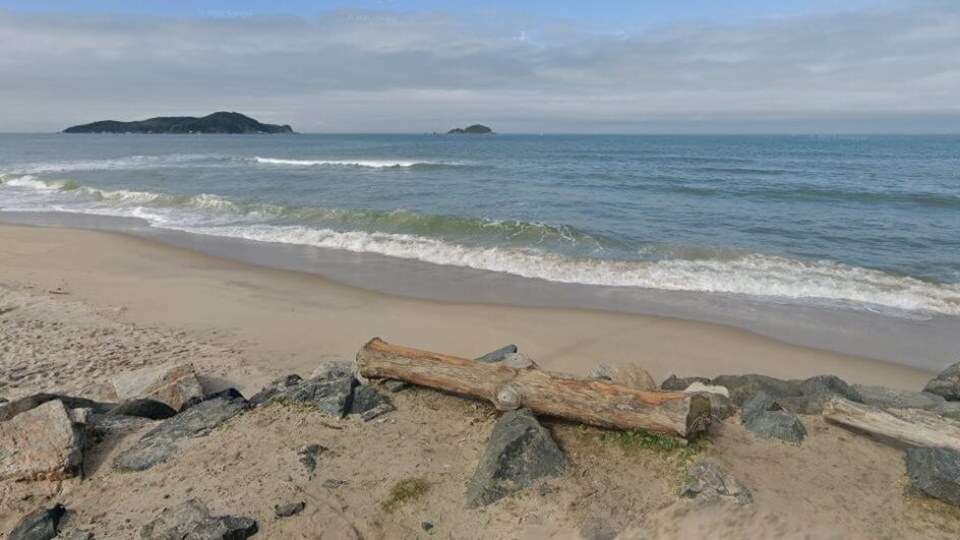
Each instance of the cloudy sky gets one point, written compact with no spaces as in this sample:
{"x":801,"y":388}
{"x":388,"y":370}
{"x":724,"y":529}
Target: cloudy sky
{"x":536,"y":66}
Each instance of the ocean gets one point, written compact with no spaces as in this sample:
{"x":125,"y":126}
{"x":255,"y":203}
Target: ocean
{"x":845,"y":242}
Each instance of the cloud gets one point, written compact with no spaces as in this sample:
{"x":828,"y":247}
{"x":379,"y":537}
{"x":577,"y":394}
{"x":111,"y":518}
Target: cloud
{"x":384,"y":71}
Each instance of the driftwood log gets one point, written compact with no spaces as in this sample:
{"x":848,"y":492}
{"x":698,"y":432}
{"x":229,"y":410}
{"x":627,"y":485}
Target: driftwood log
{"x":589,"y":401}
{"x":912,"y":427}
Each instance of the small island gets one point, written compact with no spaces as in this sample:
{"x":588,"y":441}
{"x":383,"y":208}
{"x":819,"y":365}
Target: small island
{"x":218,"y":122}
{"x":476,"y":129}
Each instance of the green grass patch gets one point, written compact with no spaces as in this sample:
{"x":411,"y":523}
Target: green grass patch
{"x":404,"y":491}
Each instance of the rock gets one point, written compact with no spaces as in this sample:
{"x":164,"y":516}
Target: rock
{"x":519,"y":452}
{"x":107,"y":425}
{"x":936,"y":472}
{"x":143,"y":408}
{"x":744,"y":387}
{"x":76,"y":534}
{"x":426,"y":525}
{"x":498,"y":355}
{"x":765,"y":417}
{"x":816,"y":391}
{"x":331,"y":396}
{"x":946,"y":384}
{"x":681,"y":383}
{"x":11,"y":409}
{"x":176,"y":385}
{"x":368,"y":403}
{"x":218,"y":122}
{"x":41,"y":444}
{"x":163,"y":441}
{"x":707,"y":481}
{"x":890,"y":398}
{"x":42,"y":524}
{"x":395,"y":386}
{"x":193,"y":521}
{"x":290,"y":509}
{"x":276,"y":387}
{"x":308,"y":455}
{"x":697,"y":386}
{"x":948,"y":409}
{"x":475,"y":129}
{"x":333,"y":369}
{"x":518,"y":361}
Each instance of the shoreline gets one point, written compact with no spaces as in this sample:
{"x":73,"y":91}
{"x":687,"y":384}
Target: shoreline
{"x":288,"y":320}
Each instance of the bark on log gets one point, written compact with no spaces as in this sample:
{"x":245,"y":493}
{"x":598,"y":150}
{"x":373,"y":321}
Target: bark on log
{"x":913,"y":427}
{"x":589,"y":401}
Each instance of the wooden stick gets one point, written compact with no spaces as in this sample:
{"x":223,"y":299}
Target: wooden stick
{"x":913,"y":427}
{"x":589,"y":401}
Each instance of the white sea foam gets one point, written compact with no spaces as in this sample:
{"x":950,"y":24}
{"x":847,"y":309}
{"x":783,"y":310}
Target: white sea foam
{"x":777,"y":278}
{"x":121,"y":163}
{"x":372,"y":163}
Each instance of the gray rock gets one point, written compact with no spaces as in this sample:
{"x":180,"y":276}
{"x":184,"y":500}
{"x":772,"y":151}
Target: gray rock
{"x":891,"y":398}
{"x":800,"y":396}
{"x":289,"y":509}
{"x":143,"y":408}
{"x":175,"y":384}
{"x":744,"y":387}
{"x":518,"y":361}
{"x":160,"y":443}
{"x":42,"y":524}
{"x":11,"y":409}
{"x":498,"y":355}
{"x":721,"y":407}
{"x":368,"y":403}
{"x":519,"y":452}
{"x":108,"y":425}
{"x":277,"y":386}
{"x":308,"y":454}
{"x":193,"y":521}
{"x":394,"y":385}
{"x":707,"y":481}
{"x":426,"y":525}
{"x":936,"y":472}
{"x":331,"y":396}
{"x":333,"y":369}
{"x":765,"y":417}
{"x":946,"y":384}
{"x":948,"y":409}
{"x":681,"y":383}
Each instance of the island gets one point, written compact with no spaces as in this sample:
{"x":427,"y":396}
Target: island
{"x":476,"y":129}
{"x":218,"y":122}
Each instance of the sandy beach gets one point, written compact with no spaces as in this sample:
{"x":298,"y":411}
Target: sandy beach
{"x":79,"y":307}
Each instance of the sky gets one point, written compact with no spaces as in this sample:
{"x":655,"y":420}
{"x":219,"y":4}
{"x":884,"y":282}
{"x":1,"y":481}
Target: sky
{"x":561,"y":66}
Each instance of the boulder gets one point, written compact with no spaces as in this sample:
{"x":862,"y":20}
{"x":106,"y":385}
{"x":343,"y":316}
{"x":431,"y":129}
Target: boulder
{"x":891,"y":398}
{"x":764,"y":416}
{"x":744,"y":387}
{"x":11,"y":409}
{"x":630,"y":375}
{"x":331,"y":396}
{"x":276,"y":387}
{"x":333,"y":369}
{"x":192,"y":520}
{"x":800,"y":396}
{"x":498,"y":355}
{"x":43,"y":524}
{"x":816,"y":391}
{"x":143,"y":408}
{"x":163,"y":441}
{"x":176,"y":385}
{"x":946,"y":384}
{"x":41,"y":444}
{"x":519,"y":452}
{"x":706,"y":481}
{"x":936,"y":472}
{"x":368,"y":403}
{"x":108,"y":425}
{"x":681,"y":383}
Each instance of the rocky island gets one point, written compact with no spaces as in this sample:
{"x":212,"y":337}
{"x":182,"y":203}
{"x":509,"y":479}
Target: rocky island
{"x":475,"y":129}
{"x":218,"y":122}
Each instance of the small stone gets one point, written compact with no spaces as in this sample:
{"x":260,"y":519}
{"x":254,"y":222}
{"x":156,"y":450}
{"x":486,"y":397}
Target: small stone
{"x":42,"y":524}
{"x":498,"y":355}
{"x":426,"y":525}
{"x":191,"y":520}
{"x":290,"y":509}
{"x":765,"y":417}
{"x":519,"y":452}
{"x":936,"y":472}
{"x":308,"y":455}
{"x":176,"y":385}
{"x":332,"y":483}
{"x":707,"y":481}
{"x":946,"y":384}
{"x":41,"y":444}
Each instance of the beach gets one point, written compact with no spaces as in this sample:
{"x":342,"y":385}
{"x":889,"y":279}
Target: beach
{"x":81,"y":306}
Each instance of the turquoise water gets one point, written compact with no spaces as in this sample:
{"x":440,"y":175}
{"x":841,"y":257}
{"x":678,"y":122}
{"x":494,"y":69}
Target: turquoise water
{"x":866,"y":223}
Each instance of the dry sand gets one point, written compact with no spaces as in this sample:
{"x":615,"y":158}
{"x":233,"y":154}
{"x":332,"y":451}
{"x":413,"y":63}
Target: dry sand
{"x":132,"y":302}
